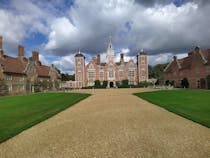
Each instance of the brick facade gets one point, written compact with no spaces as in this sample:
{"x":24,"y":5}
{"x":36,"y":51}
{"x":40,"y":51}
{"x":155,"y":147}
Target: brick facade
{"x":195,"y":68}
{"x":110,"y":71}
{"x":21,"y":73}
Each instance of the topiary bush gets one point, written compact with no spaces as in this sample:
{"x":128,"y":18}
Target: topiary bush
{"x":185,"y":83}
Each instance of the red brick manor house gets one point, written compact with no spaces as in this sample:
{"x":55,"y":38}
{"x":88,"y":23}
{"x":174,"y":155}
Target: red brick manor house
{"x":194,"y":69}
{"x":21,"y":74}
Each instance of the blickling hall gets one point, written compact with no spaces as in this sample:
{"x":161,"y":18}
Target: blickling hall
{"x":110,"y":71}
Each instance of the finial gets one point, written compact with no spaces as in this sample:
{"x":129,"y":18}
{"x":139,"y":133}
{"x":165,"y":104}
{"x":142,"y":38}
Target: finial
{"x":110,"y":39}
{"x":79,"y":51}
{"x":142,"y":50}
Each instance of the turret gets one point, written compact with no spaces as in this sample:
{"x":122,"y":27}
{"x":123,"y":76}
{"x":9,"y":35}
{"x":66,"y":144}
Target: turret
{"x":142,"y":63}
{"x":79,"y":70}
{"x":110,"y":52}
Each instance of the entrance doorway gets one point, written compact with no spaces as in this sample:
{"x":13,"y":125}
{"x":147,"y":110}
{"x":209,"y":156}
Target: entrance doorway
{"x":111,"y":84}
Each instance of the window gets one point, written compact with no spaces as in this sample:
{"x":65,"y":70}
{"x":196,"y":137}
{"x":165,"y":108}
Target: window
{"x":78,"y":63}
{"x":79,"y":75}
{"x":131,"y":73}
{"x":101,"y":74}
{"x":142,"y":60}
{"x":91,"y":75}
{"x":142,"y":72}
{"x":120,"y":73}
{"x":10,"y":87}
{"x":111,"y":73}
{"x":131,"y":82}
{"x":22,"y":78}
{"x":208,"y":69}
{"x":8,"y":77}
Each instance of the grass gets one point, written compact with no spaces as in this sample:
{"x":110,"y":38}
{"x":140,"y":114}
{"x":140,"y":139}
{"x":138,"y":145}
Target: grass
{"x":191,"y":104}
{"x":18,"y":113}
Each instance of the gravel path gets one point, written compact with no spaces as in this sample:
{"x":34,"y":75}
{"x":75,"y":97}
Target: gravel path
{"x":111,"y":123}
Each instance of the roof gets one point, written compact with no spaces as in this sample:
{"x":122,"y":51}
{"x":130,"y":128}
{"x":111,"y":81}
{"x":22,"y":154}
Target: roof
{"x":13,"y":65}
{"x":79,"y":55}
{"x":102,"y":64}
{"x":43,"y":71}
{"x":186,"y":63}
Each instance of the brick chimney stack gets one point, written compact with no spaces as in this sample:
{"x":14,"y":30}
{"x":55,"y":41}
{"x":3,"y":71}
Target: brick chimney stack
{"x":21,"y":51}
{"x":1,"y":50}
{"x":1,"y":42}
{"x":35,"y":56}
{"x":98,"y":59}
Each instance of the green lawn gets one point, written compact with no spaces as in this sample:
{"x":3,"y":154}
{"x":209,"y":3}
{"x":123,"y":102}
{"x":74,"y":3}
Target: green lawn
{"x":18,"y":113}
{"x":191,"y":104}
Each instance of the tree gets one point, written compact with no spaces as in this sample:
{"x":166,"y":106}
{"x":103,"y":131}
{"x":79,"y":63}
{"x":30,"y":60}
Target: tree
{"x":97,"y":84}
{"x":57,"y":84}
{"x":67,"y":77}
{"x":157,"y":71}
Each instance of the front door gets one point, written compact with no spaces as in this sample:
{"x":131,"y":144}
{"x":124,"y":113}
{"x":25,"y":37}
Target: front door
{"x":111,"y":84}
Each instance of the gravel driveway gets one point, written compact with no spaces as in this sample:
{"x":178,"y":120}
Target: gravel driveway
{"x":111,"y":123}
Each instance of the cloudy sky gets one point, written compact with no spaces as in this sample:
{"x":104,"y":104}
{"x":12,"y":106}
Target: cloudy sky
{"x":59,"y":28}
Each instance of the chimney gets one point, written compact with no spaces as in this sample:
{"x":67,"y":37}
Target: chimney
{"x":21,"y":51}
{"x":121,"y":57}
{"x":175,"y":58}
{"x":35,"y":56}
{"x":1,"y":42}
{"x":1,"y":53}
{"x":98,"y":59}
{"x":94,"y":59}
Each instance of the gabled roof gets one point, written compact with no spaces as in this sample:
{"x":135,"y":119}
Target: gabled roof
{"x":13,"y":65}
{"x":186,"y":63}
{"x":102,"y":64}
{"x":43,"y":71}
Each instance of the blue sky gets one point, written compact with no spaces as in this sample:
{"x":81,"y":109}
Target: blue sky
{"x":59,"y":28}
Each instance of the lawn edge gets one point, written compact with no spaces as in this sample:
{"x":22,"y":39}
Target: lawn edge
{"x":174,"y":112}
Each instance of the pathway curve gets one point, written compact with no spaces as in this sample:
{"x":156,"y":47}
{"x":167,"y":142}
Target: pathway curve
{"x":111,"y":123}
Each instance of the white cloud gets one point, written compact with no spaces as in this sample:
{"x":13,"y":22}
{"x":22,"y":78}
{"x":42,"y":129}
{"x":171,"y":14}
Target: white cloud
{"x":132,"y":25}
{"x":43,"y":60}
{"x":86,"y":25}
{"x":63,"y":34}
{"x":164,"y":58}
{"x":65,"y":63}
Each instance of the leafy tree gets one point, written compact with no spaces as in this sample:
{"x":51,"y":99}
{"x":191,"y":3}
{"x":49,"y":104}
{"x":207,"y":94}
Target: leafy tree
{"x":156,"y":71}
{"x":57,"y":84}
{"x":67,"y":77}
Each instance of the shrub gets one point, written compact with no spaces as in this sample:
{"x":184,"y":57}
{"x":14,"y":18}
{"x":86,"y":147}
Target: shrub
{"x":104,"y":85}
{"x":185,"y":83}
{"x":97,"y":84}
{"x":144,"y":84}
{"x":208,"y":81}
